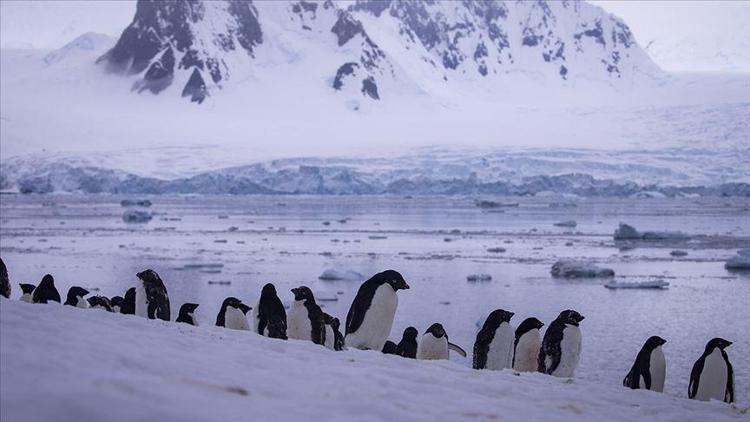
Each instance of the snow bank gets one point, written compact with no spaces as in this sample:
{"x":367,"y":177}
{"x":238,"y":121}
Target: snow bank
{"x":569,"y":268}
{"x":89,"y":366}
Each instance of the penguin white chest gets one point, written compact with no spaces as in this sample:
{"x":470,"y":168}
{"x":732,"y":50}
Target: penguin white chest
{"x":26,"y":297}
{"x":330,"y":338}
{"x":432,"y":348}
{"x":713,"y":378}
{"x":527,"y":351}
{"x":141,"y":300}
{"x":378,"y":320}
{"x":658,"y":369}
{"x":235,"y":319}
{"x":570,"y":351}
{"x":298,"y":322}
{"x":500,"y":354}
{"x":82,"y":303}
{"x":195,"y":320}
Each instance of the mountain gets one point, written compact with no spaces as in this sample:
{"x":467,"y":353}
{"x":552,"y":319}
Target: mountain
{"x":372,"y":48}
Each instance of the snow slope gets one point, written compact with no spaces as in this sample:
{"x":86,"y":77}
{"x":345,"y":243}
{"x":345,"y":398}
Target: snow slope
{"x":92,"y":365}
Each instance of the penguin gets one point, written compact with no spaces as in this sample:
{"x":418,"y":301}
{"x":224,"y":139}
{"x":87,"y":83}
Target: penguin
{"x":151,"y":298}
{"x":27,"y":290}
{"x":370,"y":317}
{"x":269,"y":315}
{"x":306,"y":320}
{"x":434,"y":344}
{"x":407,"y":347}
{"x":649,"y":368}
{"x":493,"y":348}
{"x":526,"y":346}
{"x":116,"y":302}
{"x":561,"y":346}
{"x":4,"y":280}
{"x":187,"y":314}
{"x":389,"y":348}
{"x":334,"y":338}
{"x":712,"y":376}
{"x":100,"y":302}
{"x":128,"y":302}
{"x":231,"y":315}
{"x":75,"y":297}
{"x":46,"y":291}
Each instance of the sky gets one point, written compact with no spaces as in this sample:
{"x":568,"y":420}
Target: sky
{"x":680,"y":35}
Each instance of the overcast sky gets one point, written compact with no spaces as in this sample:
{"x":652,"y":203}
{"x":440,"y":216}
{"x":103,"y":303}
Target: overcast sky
{"x":684,"y":35}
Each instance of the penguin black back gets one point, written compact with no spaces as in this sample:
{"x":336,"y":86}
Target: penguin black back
{"x":642,"y":365}
{"x":407,"y":347}
{"x":156,"y":295}
{"x":4,"y":280}
{"x":695,"y":374}
{"x":338,"y":338}
{"x":486,"y":335}
{"x":186,"y":313}
{"x":366,"y":292}
{"x":271,"y":313}
{"x":221,"y":316}
{"x":128,"y":302}
{"x":73,"y":294}
{"x":100,"y":301}
{"x":552,"y":339}
{"x":46,"y":291}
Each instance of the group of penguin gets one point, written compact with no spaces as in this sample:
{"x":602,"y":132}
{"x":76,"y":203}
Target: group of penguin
{"x":498,"y":344}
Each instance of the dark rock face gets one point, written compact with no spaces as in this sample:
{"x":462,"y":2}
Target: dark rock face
{"x":346,"y":28}
{"x":344,"y":70}
{"x":370,"y":88}
{"x":161,"y":27}
{"x":195,"y":88}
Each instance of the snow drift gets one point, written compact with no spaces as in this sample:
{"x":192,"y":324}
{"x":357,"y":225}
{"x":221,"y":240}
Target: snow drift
{"x":89,"y":365}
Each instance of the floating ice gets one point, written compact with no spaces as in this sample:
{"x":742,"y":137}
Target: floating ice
{"x":628,"y":232}
{"x":336,"y":275}
{"x":479,"y":277}
{"x":651,"y":284}
{"x":741,"y":261}
{"x":135,"y":203}
{"x":567,"y":223}
{"x":568,"y":268}
{"x":136,"y":216}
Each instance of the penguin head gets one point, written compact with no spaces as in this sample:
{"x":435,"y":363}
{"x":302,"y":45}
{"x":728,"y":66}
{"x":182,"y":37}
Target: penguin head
{"x":654,"y":341}
{"x":231,"y":301}
{"x":394,"y":279}
{"x":335,"y":323}
{"x":148,"y":276}
{"x":129,"y":295}
{"x":77,"y":291}
{"x":497,"y":317}
{"x":187,"y":308}
{"x":717,"y":342}
{"x":100,"y":301}
{"x":245,"y":309}
{"x":27,"y":288}
{"x":268,"y":290}
{"x":303,"y":293}
{"x":436,"y":330}
{"x":529,"y":324}
{"x":410,"y":333}
{"x":47,"y":281}
{"x":116,"y":301}
{"x":571,"y":317}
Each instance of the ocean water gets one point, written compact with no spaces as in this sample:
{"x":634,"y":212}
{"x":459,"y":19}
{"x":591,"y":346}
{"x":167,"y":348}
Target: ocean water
{"x":209,"y":247}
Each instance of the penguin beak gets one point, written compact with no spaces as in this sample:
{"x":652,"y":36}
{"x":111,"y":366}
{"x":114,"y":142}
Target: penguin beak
{"x":729,"y":343}
{"x":405,"y":286}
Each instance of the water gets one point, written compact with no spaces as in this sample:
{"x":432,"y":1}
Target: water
{"x":435,"y":243}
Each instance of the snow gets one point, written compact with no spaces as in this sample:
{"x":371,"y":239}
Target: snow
{"x":102,"y":366}
{"x":568,"y":268}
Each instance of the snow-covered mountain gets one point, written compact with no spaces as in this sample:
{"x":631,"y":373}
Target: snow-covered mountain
{"x":371,"y":48}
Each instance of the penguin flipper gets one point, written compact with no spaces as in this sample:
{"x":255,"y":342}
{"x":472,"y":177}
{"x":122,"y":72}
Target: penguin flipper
{"x":694,"y":377}
{"x":456,"y":348}
{"x":646,"y":379}
{"x":729,"y":393}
